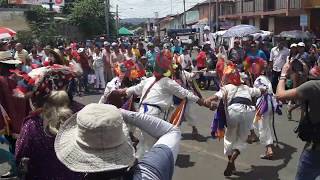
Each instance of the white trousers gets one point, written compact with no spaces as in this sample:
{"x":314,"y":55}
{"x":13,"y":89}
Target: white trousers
{"x":238,"y":127}
{"x":146,"y":141}
{"x":263,"y":126}
{"x":190,"y":115}
{"x":100,"y":82}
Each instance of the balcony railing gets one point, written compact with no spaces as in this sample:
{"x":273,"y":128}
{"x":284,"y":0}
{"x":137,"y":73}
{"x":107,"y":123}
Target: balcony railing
{"x":310,"y":3}
{"x":248,"y":6}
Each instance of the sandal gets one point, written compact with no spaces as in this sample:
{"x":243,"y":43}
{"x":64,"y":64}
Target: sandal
{"x":267,"y":156}
{"x":229,"y":170}
{"x":194,"y":133}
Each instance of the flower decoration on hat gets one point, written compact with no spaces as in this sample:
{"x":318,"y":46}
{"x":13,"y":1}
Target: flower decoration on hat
{"x":231,"y":75}
{"x":162,"y":66}
{"x":129,"y":68}
{"x":254,"y":65}
{"x":41,"y":81}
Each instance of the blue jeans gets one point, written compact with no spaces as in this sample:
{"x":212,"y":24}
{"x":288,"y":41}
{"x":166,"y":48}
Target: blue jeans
{"x":309,"y":165}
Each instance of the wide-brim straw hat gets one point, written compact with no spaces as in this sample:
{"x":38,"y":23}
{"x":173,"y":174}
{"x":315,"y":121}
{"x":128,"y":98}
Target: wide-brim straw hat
{"x":95,"y":140}
{"x":6,"y":58}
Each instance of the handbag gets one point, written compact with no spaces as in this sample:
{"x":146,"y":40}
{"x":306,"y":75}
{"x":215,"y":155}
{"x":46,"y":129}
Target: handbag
{"x":306,"y":130}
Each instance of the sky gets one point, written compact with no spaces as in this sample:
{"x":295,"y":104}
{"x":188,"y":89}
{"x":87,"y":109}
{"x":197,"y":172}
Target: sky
{"x":147,"y":8}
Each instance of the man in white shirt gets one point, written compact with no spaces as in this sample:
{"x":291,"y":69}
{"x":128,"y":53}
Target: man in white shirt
{"x":21,"y":54}
{"x":186,"y":61}
{"x":278,"y":57}
{"x":156,"y":94}
{"x":208,"y":36}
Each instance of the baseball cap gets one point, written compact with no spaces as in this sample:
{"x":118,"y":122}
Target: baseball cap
{"x":301,"y":44}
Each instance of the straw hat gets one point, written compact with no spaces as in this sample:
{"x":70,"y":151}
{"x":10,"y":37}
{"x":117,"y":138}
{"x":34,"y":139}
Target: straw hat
{"x":5,"y":57}
{"x":95,"y":140}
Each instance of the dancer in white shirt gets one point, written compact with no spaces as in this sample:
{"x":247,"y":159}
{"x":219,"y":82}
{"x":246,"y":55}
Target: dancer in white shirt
{"x":240,"y":111}
{"x":156,"y":95}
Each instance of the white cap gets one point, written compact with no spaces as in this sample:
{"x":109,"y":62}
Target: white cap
{"x":301,"y":44}
{"x":208,"y":43}
{"x":293,"y":45}
{"x":80,"y":50}
{"x":114,"y":44}
{"x":106,"y":43}
{"x":206,"y":28}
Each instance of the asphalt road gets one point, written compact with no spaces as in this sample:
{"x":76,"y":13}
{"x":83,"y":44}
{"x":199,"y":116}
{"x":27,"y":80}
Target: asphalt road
{"x":203,"y":159}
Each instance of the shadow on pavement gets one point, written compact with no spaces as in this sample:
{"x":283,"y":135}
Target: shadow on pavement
{"x":199,"y":137}
{"x":183,"y":161}
{"x":283,"y":152}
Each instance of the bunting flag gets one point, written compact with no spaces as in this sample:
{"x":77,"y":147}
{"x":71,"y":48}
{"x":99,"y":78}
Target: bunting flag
{"x":177,"y":115}
{"x":219,"y":122}
{"x":262,"y":107}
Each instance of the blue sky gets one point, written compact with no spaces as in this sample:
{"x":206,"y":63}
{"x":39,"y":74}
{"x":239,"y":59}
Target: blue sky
{"x":147,"y":8}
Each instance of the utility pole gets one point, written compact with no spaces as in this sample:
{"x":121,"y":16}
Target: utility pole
{"x":171,"y":8}
{"x":107,"y":12}
{"x":117,"y":20}
{"x":51,"y":3}
{"x":217,"y":15}
{"x":184,"y":15}
{"x":210,"y":12}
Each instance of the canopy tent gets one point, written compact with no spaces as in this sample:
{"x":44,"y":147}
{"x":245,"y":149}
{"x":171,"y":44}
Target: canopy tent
{"x":6,"y":33}
{"x":124,"y":32}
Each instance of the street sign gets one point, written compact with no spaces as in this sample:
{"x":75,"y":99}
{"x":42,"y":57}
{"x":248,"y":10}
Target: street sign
{"x":303,"y":20}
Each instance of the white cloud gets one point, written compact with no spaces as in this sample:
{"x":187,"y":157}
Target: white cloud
{"x":147,"y":8}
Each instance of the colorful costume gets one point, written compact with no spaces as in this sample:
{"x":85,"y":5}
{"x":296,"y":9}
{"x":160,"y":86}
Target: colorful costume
{"x":266,"y":107}
{"x":156,"y":95}
{"x":239,"y":109}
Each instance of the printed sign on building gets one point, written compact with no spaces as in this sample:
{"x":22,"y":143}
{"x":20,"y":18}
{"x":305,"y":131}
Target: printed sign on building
{"x":37,"y":2}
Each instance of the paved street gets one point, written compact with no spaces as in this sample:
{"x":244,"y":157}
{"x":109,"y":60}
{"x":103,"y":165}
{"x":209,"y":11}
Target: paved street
{"x":204,"y":159}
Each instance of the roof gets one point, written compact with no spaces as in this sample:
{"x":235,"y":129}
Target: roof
{"x":124,"y":31}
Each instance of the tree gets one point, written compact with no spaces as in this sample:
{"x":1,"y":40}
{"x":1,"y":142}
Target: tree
{"x":42,"y":29}
{"x":89,"y":16}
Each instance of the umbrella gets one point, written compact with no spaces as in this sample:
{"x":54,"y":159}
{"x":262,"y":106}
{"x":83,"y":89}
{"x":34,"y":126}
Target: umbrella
{"x":6,"y":32}
{"x":124,"y":31}
{"x":241,"y":31}
{"x":296,"y":34}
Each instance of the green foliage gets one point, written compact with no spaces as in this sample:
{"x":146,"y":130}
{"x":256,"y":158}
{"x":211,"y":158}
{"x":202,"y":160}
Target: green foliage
{"x":42,"y":29}
{"x":25,"y":37}
{"x":3,"y":3}
{"x":37,"y":14}
{"x":89,"y":16}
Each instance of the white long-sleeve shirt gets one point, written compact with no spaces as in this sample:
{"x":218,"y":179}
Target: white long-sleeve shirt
{"x":233,"y":91}
{"x":114,"y":84}
{"x":159,"y":162}
{"x":161,"y":93}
